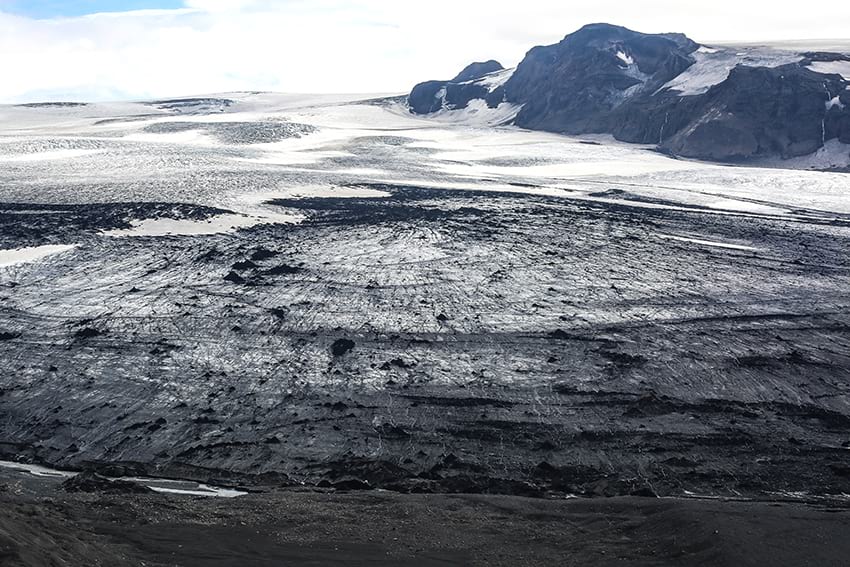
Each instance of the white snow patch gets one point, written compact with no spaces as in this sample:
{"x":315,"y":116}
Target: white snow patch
{"x":187,"y":227}
{"x":709,"y":50}
{"x":834,"y":102}
{"x":477,"y":113}
{"x":745,"y":207}
{"x":712,"y":243}
{"x":361,"y":171}
{"x":495,"y":80}
{"x":689,"y":494}
{"x":330,"y":193}
{"x":36,"y":470}
{"x":186,"y":488}
{"x":48,"y":155}
{"x":625,"y":58}
{"x":189,"y":137}
{"x":832,"y":68}
{"x":441,"y":96}
{"x":832,"y":155}
{"x":27,"y":255}
{"x":712,"y":67}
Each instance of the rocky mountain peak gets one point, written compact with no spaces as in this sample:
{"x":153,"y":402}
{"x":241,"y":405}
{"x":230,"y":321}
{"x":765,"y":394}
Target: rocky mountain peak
{"x":717,"y":103}
{"x":477,"y":70}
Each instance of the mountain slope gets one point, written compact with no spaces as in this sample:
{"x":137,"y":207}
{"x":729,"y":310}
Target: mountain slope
{"x":716,"y":103}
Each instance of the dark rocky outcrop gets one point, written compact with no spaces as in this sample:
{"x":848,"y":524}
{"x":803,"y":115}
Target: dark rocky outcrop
{"x":611,"y":80}
{"x":92,"y":482}
{"x":432,"y":96}
{"x":341,"y":347}
{"x":578,"y":85}
{"x":760,"y":111}
{"x":478,"y":70}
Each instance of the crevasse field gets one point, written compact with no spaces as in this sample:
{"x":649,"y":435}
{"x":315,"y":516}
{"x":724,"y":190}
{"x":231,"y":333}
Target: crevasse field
{"x":292,"y":289}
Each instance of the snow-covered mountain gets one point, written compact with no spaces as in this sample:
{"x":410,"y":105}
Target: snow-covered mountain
{"x":724,"y":103}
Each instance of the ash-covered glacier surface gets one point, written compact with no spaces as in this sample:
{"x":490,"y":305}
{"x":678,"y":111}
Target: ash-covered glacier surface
{"x":267,"y":289}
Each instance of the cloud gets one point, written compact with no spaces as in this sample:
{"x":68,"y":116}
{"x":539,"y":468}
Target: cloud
{"x":335,"y":45}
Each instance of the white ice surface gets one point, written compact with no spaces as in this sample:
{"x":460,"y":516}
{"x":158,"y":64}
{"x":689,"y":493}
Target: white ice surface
{"x":832,"y":68}
{"x":477,"y":113}
{"x":834,"y":45}
{"x":33,"y":254}
{"x":194,"y":137}
{"x":469,"y":155}
{"x":358,"y":143}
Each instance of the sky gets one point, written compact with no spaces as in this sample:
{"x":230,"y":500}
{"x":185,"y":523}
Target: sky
{"x":138,"y":49}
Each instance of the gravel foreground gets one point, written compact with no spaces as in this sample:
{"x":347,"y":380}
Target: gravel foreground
{"x":41,"y":524}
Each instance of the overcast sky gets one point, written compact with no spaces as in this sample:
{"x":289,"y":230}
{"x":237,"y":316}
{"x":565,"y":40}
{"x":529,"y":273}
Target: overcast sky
{"x":132,"y":49}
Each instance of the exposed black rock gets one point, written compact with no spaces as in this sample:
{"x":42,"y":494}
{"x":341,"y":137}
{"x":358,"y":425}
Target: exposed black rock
{"x":282,"y":270}
{"x":759,"y":111}
{"x":341,"y":347}
{"x":52,"y":104}
{"x":88,"y":333}
{"x":236,"y":133}
{"x":57,"y":223}
{"x":261,"y":254}
{"x":432,"y":96}
{"x":577,"y":85}
{"x":193,"y":105}
{"x":244,"y":265}
{"x":233,"y":277}
{"x":92,"y":482}
{"x":347,"y":484}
